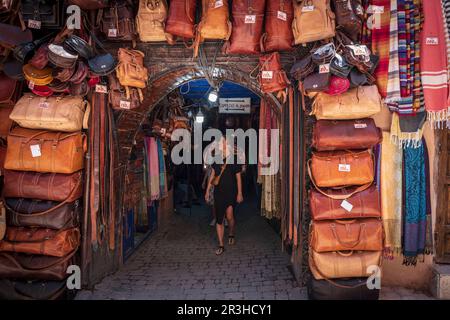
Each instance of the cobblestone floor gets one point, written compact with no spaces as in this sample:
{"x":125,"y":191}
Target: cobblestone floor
{"x":178,"y":262}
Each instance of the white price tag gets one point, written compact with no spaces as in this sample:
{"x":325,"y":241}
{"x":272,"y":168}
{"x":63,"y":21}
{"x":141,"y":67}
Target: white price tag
{"x":218,"y":4}
{"x":282,"y":15}
{"x":432,"y":41}
{"x":250,"y":19}
{"x":324,"y":68}
{"x":308,"y":8}
{"x":31,"y":85}
{"x":360,"y":125}
{"x":359,"y":51}
{"x":267,"y":74}
{"x":344,"y":167}
{"x":375,"y":9}
{"x":44,"y":104}
{"x":112,"y":33}
{"x":347,"y":205}
{"x":162,"y":131}
{"x":35,"y":150}
{"x":34,"y":24}
{"x":101,"y":88}
{"x":125,"y":104}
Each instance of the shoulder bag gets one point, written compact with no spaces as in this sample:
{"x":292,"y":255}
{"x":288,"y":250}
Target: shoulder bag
{"x":181,"y":18}
{"x":278,"y":34}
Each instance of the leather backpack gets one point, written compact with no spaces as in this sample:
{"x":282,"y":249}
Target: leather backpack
{"x":181,"y":18}
{"x":347,"y":18}
{"x":117,"y":95}
{"x":131,"y":71}
{"x":247,"y":22}
{"x":272,"y":77}
{"x":313,"y":21}
{"x":118,"y":22}
{"x":278,"y":26}
{"x":151,"y":21}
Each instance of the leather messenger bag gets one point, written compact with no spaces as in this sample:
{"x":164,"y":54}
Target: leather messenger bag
{"x":341,"y":235}
{"x":44,"y":151}
{"x":329,"y":135}
{"x":48,"y":242}
{"x":278,"y":26}
{"x":66,"y":114}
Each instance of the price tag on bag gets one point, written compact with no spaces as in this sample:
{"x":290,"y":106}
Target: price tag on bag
{"x":31,"y":85}
{"x":250,"y":18}
{"x":324,"y":68}
{"x":218,"y":4}
{"x":125,"y":104}
{"x":282,"y":15}
{"x":347,"y":205}
{"x":112,"y":33}
{"x":344,"y":167}
{"x":100,"y":88}
{"x":34,"y":24}
{"x":35,"y":150}
{"x":372,"y":9}
{"x":267,"y":74}
{"x":360,"y":125}
{"x":44,"y":104}
{"x":432,"y":41}
{"x":359,"y":50}
{"x":308,"y":8}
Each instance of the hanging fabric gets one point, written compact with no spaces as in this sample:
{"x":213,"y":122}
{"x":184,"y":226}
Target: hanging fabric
{"x":162,"y":171}
{"x":151,"y":149}
{"x":407,"y":131}
{"x":393,"y":82}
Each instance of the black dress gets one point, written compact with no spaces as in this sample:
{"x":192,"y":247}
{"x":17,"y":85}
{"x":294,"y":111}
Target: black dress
{"x":225,"y":193}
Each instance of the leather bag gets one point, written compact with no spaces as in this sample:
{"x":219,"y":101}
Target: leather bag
{"x":90,"y":4}
{"x":118,"y":22}
{"x":341,"y":235}
{"x":181,"y":19}
{"x":60,"y":57}
{"x":117,"y":95}
{"x":341,"y":168}
{"x":12,"y":36}
{"x":48,"y":242}
{"x":341,"y":289}
{"x":278,"y":34}
{"x":151,"y":21}
{"x":247,"y":23}
{"x":80,"y":74}
{"x":131,"y":71}
{"x":37,"y":76}
{"x":272,"y":77}
{"x":303,"y":68}
{"x":358,"y":103}
{"x":6,"y":122}
{"x":44,"y":151}
{"x":313,"y":21}
{"x":342,"y":264}
{"x":316,"y":82}
{"x":23,"y":212}
{"x":66,"y":114}
{"x":43,"y":186}
{"x":42,"y":91}
{"x":40,"y":58}
{"x":331,"y":135}
{"x":347,"y":19}
{"x":32,"y":290}
{"x":103,"y":64}
{"x":48,"y":12}
{"x":337,"y":86}
{"x":79,"y":46}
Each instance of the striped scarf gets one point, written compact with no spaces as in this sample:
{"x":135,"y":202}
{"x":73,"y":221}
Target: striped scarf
{"x":393,"y":85}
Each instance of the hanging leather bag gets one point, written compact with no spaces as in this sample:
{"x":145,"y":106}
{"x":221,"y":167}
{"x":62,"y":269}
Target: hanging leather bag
{"x":181,"y":18}
{"x":313,"y":21}
{"x":131,"y":71}
{"x":358,"y":103}
{"x":44,"y":151}
{"x":60,"y":57}
{"x":272,"y":77}
{"x":118,"y":22}
{"x":117,"y":95}
{"x":341,"y":235}
{"x":48,"y":242}
{"x":40,"y":58}
{"x":151,"y":21}
{"x":66,"y":114}
{"x":6,"y":122}
{"x":341,"y":168}
{"x":278,"y":26}
{"x":346,"y":18}
{"x":247,"y":27}
{"x":41,"y":14}
{"x":330,"y":135}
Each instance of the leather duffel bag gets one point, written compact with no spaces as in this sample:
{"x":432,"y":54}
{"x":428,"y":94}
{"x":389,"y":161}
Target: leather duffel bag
{"x":313,"y":20}
{"x":278,"y":26}
{"x":272,"y":77}
{"x":181,"y":19}
{"x":151,"y":21}
{"x":345,"y":203}
{"x":11,"y":90}
{"x":341,"y":235}
{"x":358,"y":103}
{"x":43,"y":186}
{"x":21,"y":212}
{"x":247,"y":23}
{"x":343,"y":264}
{"x":118,"y":22}
{"x":32,"y":290}
{"x":34,"y":267}
{"x":6,"y":122}
{"x":330,"y":135}
{"x":66,"y":114}
{"x":341,"y":289}
{"x":48,"y":242}
{"x":341,"y":168}
{"x":45,"y":151}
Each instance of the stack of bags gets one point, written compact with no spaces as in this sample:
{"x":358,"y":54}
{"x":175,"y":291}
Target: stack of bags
{"x":43,"y":184}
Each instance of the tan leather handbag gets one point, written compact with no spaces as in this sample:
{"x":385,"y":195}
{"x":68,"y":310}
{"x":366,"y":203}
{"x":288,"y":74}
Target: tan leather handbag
{"x":313,"y":21}
{"x":358,"y":103}
{"x":151,"y":21}
{"x":341,"y":235}
{"x":131,"y":71}
{"x":67,"y":114}
{"x":45,"y":151}
{"x":341,"y":168}
{"x":342,"y":264}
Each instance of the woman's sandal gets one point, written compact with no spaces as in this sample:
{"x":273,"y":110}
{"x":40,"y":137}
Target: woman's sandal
{"x":231,"y":240}
{"x":220,"y":250}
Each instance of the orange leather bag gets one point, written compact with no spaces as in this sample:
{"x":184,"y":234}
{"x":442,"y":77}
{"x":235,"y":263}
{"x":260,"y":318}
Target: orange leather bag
{"x":48,"y":242}
{"x":341,"y":168}
{"x":278,"y":26}
{"x":131,"y":71}
{"x":341,"y":235}
{"x":272,"y":77}
{"x":181,"y":19}
{"x":45,"y":151}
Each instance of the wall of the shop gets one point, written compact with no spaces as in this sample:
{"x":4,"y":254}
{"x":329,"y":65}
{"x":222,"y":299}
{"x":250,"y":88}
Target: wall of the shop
{"x":394,"y":272}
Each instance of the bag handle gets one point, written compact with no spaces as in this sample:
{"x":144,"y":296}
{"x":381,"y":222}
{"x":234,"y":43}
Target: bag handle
{"x":348,"y":244}
{"x":221,"y":172}
{"x":87,"y":113}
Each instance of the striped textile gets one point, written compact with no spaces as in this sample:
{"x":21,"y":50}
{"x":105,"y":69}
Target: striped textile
{"x":446,"y":15}
{"x":402,"y":48}
{"x":434,"y":64}
{"x":393,"y":84}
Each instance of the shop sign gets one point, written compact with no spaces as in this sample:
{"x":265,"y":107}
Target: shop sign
{"x":234,"y":105}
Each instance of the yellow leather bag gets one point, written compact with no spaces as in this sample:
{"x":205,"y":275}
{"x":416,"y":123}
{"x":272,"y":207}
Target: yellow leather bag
{"x":40,"y":77}
{"x":151,"y":21}
{"x":358,"y":103}
{"x":66,"y":114}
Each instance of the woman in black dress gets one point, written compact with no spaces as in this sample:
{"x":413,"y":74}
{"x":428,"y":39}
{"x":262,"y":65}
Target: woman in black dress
{"x":226,"y":194}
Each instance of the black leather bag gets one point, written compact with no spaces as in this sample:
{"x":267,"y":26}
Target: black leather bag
{"x":102,"y":65}
{"x":339,"y":66}
{"x":303,"y":68}
{"x":347,"y":289}
{"x":32,"y":290}
{"x":317,"y":82}
{"x":25,"y":51}
{"x":79,"y":46}
{"x":48,"y":12}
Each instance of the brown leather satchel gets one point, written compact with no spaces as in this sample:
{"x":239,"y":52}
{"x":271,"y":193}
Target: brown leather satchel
{"x":44,"y":151}
{"x":118,"y":22}
{"x":272,"y":77}
{"x":11,"y":90}
{"x":330,"y":135}
{"x":151,"y":21}
{"x":341,"y":168}
{"x":345,"y":203}
{"x":117,"y":95}
{"x":181,"y":18}
{"x":34,"y":267}
{"x":278,"y":26}
{"x":341,"y":235}
{"x":43,"y":214}
{"x":347,"y":19}
{"x":131,"y":71}
{"x":340,"y":264}
{"x":247,"y":22}
{"x":48,"y":242}
{"x":43,"y":186}
{"x":6,"y":122}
